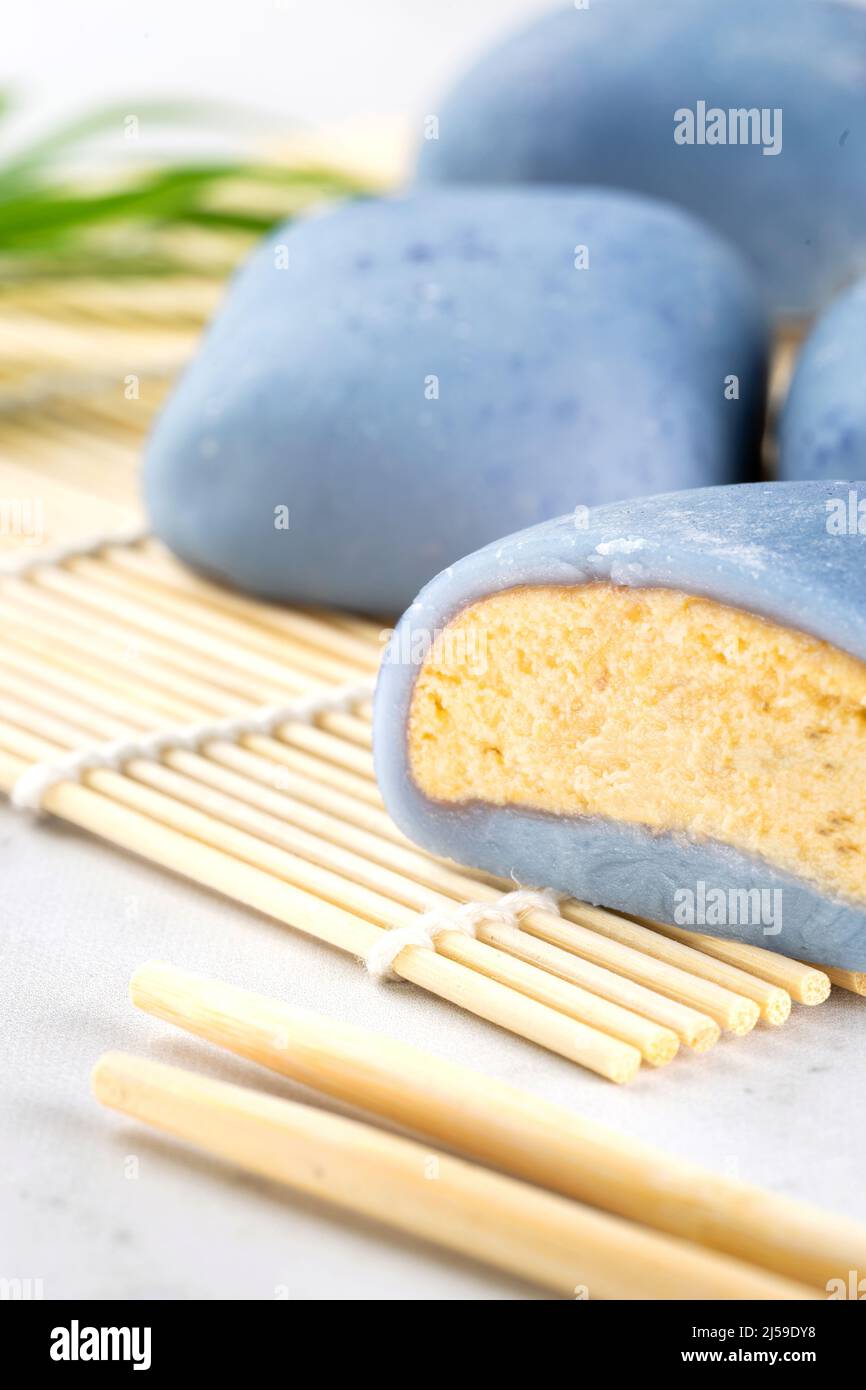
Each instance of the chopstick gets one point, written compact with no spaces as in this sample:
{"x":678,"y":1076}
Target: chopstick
{"x":500,"y":1125}
{"x":563,"y":1247}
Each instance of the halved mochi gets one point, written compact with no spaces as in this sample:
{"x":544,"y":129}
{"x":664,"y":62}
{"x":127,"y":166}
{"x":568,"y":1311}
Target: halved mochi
{"x":660,"y":707}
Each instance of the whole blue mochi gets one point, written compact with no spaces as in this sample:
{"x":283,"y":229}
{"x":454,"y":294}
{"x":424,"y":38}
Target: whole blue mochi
{"x":659,"y":707}
{"x":752,"y":115}
{"x":822,"y":430}
{"x":392,"y":384}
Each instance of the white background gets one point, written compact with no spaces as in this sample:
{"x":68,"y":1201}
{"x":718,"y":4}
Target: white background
{"x":298,"y":60}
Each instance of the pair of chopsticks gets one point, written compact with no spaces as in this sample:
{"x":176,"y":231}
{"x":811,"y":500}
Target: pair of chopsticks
{"x":713,"y":1237}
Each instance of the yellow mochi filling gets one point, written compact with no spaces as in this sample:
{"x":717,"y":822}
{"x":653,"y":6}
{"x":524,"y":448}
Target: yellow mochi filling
{"x":656,"y":708}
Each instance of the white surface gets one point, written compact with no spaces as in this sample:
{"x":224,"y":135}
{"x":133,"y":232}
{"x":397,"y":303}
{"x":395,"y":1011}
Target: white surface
{"x":308,"y":60}
{"x":783,"y":1108}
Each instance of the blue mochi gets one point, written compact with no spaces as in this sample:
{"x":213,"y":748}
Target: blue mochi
{"x":768,"y":549}
{"x":397,"y":382}
{"x":591,"y":95}
{"x":822,"y":430}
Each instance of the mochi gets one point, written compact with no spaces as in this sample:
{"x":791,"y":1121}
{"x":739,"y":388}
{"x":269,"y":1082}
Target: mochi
{"x":751,"y":115}
{"x":662,"y":711}
{"x":822,"y":430}
{"x":392,"y":384}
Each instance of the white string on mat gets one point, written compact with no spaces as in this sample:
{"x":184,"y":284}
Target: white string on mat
{"x":29,"y":790}
{"x":462,"y":917}
{"x":22,"y":565}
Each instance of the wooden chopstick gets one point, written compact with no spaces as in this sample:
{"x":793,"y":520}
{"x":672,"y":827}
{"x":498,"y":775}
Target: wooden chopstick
{"x":510,"y":1129}
{"x":557,"y":1244}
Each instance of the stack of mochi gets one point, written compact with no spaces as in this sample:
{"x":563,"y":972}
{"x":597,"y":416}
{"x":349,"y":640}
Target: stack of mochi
{"x":569,"y":315}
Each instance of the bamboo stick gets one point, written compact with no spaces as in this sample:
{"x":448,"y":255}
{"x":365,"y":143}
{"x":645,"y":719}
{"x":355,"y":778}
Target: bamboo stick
{"x":853,"y":980}
{"x":95,"y":725}
{"x":224,"y":627}
{"x":42,"y":339}
{"x":163,"y":581}
{"x":348,"y":752}
{"x":24,"y":748}
{"x":100,"y":459}
{"x":338,"y":798}
{"x":87,"y":693}
{"x":165,"y":688}
{"x":733,"y":1012}
{"x":54,"y":447}
{"x":330,"y":747}
{"x":808,"y":984}
{"x":371,"y":630}
{"x":66,"y":460}
{"x":74,"y":505}
{"x":99,"y":638}
{"x":113,"y":647}
{"x":534,"y":1234}
{"x":774,"y":1003}
{"x":156,"y":563}
{"x":91,"y":299}
{"x":60,"y":736}
{"x":51,"y":592}
{"x":370,"y":837}
{"x":289,"y":646}
{"x":295,"y":760}
{"x":179,"y":636}
{"x":508,"y":1128}
{"x":167,"y":693}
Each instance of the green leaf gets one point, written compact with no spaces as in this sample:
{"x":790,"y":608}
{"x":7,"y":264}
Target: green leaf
{"x":48,"y":227}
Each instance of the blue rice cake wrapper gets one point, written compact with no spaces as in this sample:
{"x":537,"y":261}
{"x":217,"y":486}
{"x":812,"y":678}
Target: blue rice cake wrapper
{"x":397,"y":382}
{"x":752,"y":116}
{"x":822,"y":429}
